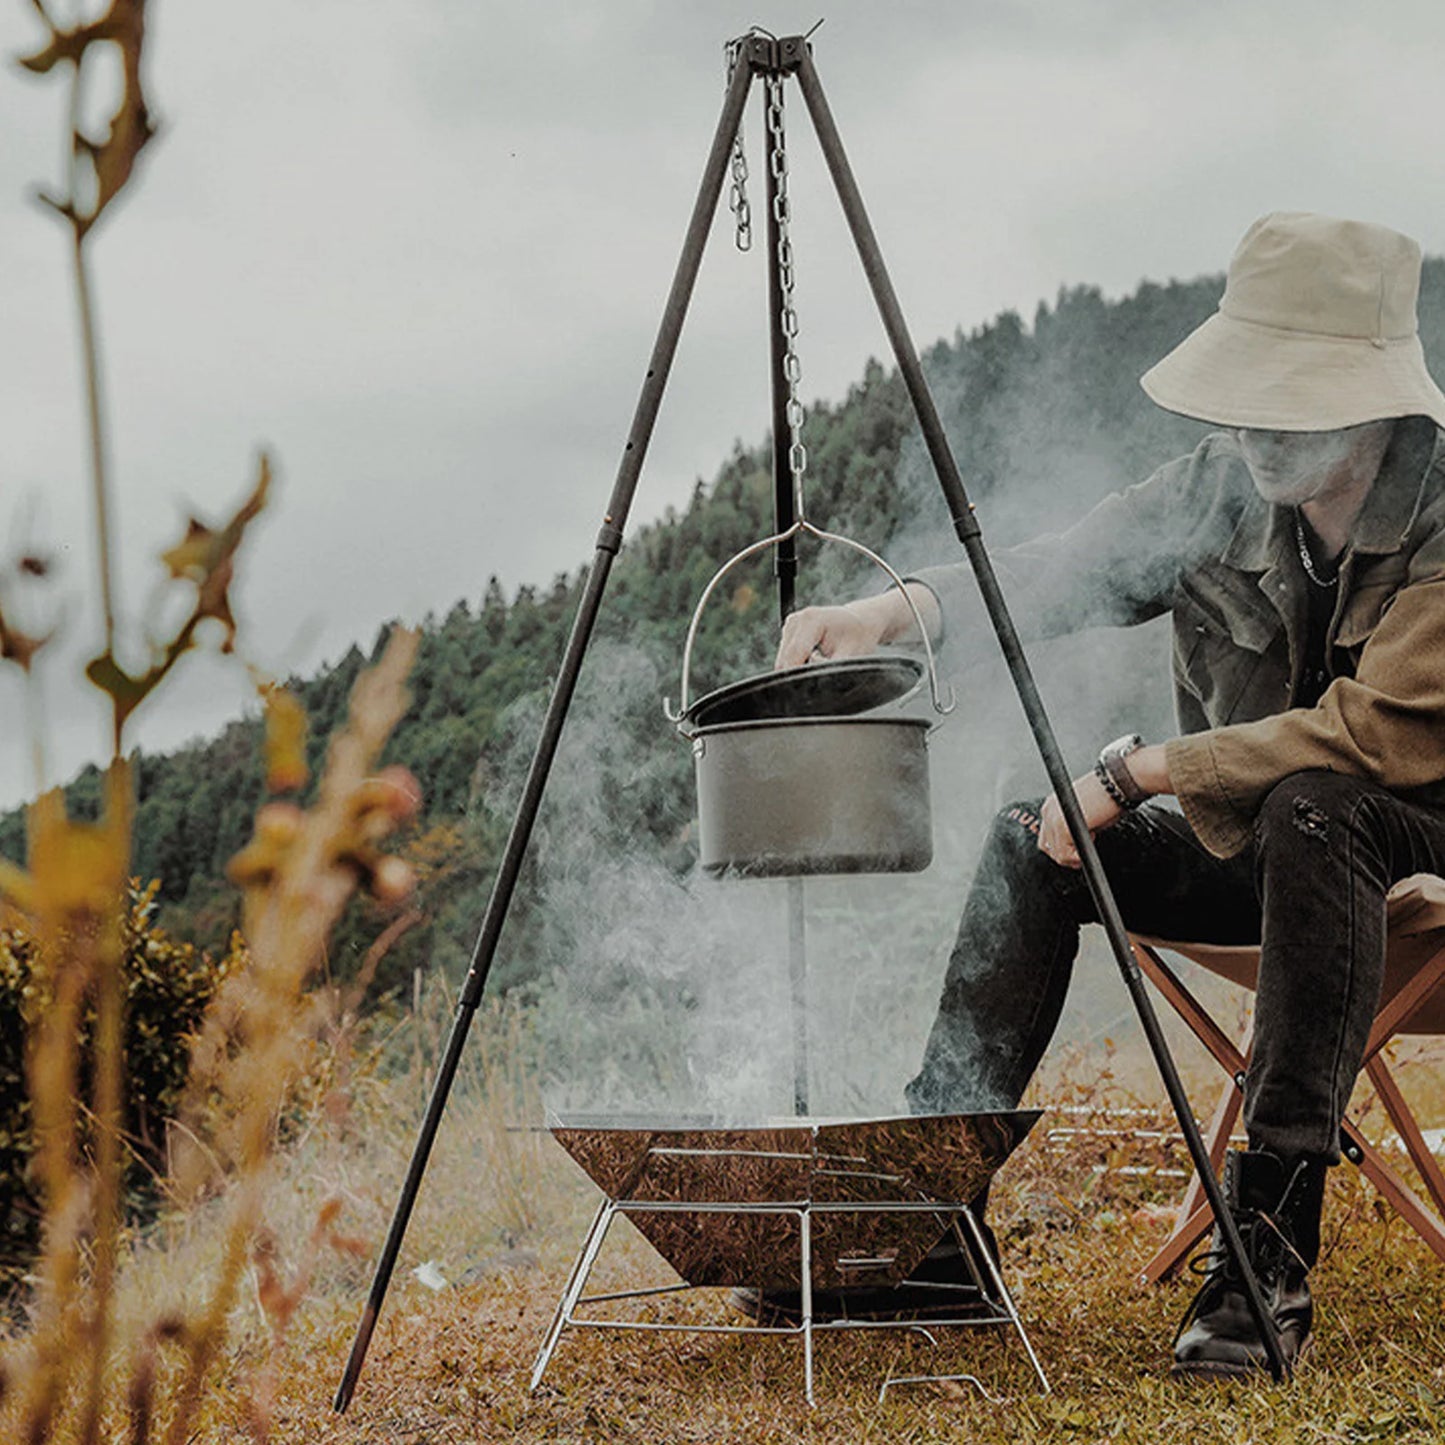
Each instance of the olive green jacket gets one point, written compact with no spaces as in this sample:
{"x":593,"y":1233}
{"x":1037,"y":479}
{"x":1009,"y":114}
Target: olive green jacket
{"x":1197,"y":541}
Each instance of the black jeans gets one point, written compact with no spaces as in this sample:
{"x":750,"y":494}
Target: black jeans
{"x":1310,"y":890}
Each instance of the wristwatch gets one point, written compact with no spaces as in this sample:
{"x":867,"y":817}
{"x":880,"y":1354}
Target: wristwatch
{"x":1112,"y":770}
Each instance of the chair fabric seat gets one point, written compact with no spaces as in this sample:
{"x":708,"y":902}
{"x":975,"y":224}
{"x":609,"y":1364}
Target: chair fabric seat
{"x":1415,"y":917}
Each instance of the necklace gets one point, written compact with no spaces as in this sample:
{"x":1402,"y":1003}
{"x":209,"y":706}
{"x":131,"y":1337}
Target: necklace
{"x":1306,"y":559}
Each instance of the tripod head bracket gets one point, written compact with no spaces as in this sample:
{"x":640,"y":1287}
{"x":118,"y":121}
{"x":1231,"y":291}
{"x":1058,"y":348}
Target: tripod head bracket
{"x":768,"y":55}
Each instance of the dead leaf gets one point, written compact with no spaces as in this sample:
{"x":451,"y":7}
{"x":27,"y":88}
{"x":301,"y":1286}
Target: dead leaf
{"x":78,"y":870}
{"x":19,"y":647}
{"x":126,"y":692}
{"x":205,"y":556}
{"x":286,"y":768}
{"x":112,"y":158}
{"x":191,"y":558}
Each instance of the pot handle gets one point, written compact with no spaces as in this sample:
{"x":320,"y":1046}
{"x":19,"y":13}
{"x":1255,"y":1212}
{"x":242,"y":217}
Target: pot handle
{"x":941,"y":705}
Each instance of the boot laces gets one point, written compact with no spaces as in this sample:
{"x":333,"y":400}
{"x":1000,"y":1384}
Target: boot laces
{"x":1268,"y":1247}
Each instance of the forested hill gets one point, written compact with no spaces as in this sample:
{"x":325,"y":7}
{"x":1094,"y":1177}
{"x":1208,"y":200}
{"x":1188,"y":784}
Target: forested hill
{"x":1043,"y":418}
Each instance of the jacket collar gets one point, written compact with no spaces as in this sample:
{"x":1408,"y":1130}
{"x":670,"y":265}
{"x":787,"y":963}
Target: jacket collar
{"x":1265,"y":532}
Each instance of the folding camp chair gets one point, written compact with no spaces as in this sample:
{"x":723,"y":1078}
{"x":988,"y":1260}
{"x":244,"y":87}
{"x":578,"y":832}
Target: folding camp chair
{"x":1412,"y":1001}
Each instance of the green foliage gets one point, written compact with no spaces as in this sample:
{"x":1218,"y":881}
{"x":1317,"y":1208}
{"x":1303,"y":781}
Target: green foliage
{"x":167,"y":987}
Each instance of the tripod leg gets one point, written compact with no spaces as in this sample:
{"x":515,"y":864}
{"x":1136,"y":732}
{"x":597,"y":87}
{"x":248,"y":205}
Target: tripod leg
{"x":969,"y":533}
{"x":609,"y":540}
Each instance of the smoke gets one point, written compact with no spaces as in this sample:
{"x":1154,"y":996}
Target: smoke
{"x":667,"y":992}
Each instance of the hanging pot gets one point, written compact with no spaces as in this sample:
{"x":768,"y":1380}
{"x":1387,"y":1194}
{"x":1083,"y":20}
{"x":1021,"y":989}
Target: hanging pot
{"x":814,"y":795}
{"x":797,"y":771}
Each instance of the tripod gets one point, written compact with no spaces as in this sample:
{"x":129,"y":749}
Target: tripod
{"x":759,"y":56}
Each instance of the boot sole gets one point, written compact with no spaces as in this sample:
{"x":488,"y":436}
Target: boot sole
{"x":1203,"y":1371}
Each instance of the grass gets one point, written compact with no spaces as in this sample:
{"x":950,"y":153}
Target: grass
{"x":1080,"y":1208}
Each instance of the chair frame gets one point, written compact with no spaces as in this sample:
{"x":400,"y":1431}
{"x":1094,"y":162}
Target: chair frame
{"x":1396,"y":1010}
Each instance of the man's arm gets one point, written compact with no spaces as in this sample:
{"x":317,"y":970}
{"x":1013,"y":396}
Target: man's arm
{"x":1108,"y":568}
{"x":1119,"y":564}
{"x":1116,"y":566}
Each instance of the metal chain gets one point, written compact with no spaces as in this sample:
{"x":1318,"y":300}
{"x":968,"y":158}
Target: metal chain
{"x":738,"y":194}
{"x":782,"y":214}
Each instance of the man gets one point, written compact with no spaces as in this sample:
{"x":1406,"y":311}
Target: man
{"x":1301,"y":553}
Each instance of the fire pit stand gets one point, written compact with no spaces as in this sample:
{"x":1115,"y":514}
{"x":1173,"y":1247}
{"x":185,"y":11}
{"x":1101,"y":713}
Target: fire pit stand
{"x":801,"y":1206}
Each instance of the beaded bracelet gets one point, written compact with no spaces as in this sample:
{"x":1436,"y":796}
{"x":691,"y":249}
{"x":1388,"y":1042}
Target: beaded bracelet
{"x":1113,"y":771}
{"x":1110,"y":786}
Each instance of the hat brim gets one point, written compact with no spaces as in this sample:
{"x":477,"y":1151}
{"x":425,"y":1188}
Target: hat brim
{"x":1242,"y":374}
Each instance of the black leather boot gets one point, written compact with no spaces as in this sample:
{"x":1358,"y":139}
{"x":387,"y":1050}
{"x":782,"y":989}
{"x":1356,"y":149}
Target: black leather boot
{"x":1277,"y":1209}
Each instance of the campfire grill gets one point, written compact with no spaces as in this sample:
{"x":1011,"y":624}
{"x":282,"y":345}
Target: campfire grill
{"x":794,"y":1204}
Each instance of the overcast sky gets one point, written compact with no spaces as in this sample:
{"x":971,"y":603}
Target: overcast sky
{"x":420,"y":251}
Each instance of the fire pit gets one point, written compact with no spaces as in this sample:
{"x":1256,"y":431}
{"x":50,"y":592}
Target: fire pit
{"x":793,"y":1204}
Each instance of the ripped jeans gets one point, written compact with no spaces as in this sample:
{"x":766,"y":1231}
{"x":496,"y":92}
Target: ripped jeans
{"x":1310,"y":890}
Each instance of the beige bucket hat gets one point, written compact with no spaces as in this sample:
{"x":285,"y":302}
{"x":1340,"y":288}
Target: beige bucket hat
{"x":1316,"y":331}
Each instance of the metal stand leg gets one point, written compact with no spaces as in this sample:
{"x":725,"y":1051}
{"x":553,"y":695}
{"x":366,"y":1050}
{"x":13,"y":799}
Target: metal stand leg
{"x":976,"y":1248}
{"x":985,"y":1254}
{"x":993,"y":1290}
{"x":805,"y":1237}
{"x":576,"y":1283}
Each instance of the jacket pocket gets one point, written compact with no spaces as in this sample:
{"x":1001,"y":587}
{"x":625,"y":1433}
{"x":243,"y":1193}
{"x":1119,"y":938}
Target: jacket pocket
{"x":1232,"y":659}
{"x":1370,"y":598}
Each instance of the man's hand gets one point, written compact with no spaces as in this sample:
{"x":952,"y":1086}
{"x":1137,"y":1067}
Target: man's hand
{"x":1149,"y":767}
{"x":1100,"y":811}
{"x":857,"y":628}
{"x":830,"y":632}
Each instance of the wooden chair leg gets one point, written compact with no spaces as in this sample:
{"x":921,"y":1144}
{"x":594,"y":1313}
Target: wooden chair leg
{"x":1194,"y":1216}
{"x":1408,"y":1128}
{"x":1194,"y":1014}
{"x":1402,"y":1198}
{"x":1396,"y":1011}
{"x":1187,"y":1236}
{"x":1194,"y":1220}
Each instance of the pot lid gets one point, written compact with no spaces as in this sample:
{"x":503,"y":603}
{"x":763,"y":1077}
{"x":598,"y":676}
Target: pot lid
{"x":839,"y":688}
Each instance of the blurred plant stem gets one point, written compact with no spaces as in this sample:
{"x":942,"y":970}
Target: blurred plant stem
{"x":100,"y":485}
{"x":105,"y":961}
{"x":298,"y":874}
{"x":80,"y":935}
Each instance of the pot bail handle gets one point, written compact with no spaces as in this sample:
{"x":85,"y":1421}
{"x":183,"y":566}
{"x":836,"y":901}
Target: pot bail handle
{"x":941,"y":705}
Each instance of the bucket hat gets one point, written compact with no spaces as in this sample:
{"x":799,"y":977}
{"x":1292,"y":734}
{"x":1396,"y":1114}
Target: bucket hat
{"x":1316,"y":331}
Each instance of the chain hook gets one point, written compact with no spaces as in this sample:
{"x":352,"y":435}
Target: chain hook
{"x":738,"y":191}
{"x":782,"y":215}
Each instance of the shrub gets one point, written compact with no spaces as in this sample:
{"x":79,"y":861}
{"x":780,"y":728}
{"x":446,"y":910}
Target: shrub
{"x":167,"y":988}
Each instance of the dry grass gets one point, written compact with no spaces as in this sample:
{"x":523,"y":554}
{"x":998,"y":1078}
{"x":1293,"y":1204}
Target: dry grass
{"x":1081,"y":1207}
